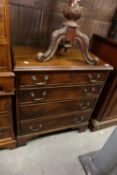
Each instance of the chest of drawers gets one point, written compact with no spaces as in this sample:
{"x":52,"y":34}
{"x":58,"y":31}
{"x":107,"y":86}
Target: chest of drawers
{"x":7,"y":139}
{"x":55,"y":95}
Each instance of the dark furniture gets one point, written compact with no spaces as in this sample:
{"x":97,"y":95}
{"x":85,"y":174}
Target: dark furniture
{"x":55,"y":95}
{"x":7,"y":139}
{"x":105,"y":113}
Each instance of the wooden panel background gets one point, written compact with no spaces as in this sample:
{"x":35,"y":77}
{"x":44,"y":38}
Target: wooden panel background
{"x":32,"y":21}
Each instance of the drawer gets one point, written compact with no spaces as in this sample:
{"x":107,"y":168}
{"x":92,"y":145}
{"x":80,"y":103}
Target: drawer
{"x":58,"y":93}
{"x":5,"y":104}
{"x":55,"y":108}
{"x":6,"y":85}
{"x":5,"y":134}
{"x":56,"y":123}
{"x":4,"y":121}
{"x":58,"y":78}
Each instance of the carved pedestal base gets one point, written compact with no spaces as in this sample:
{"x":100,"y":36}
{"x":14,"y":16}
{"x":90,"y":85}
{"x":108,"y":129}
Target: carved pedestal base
{"x":68,"y":34}
{"x":62,"y":36}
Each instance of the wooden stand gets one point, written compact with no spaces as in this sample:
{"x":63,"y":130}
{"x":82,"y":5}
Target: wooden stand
{"x":64,"y":37}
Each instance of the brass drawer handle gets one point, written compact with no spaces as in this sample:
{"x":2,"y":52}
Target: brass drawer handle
{"x":79,"y":120}
{"x":82,"y":118}
{"x":41,"y":83}
{"x":92,"y":80}
{"x":35,"y":80}
{"x":89,"y":92}
{"x":38,"y":99}
{"x":84,"y":106}
{"x":36,"y":129}
{"x":76,"y":120}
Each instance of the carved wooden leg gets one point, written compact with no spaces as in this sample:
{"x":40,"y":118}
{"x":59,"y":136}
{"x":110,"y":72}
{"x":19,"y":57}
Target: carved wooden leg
{"x":83,"y":41}
{"x":56,"y":37}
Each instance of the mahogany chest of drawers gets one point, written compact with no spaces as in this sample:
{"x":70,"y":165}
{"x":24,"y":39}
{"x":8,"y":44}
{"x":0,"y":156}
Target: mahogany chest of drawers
{"x":7,"y":139}
{"x":55,"y":95}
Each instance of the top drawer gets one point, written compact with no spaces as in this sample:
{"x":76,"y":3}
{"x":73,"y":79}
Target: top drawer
{"x":60,"y":78}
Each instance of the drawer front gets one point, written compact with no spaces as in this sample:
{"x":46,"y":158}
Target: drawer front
{"x":4,"y":121}
{"x":56,"y":78}
{"x":5,"y":104}
{"x":58,"y":93}
{"x":6,"y":85}
{"x":54,"y":108}
{"x":41,"y":125}
{"x":5,"y":134}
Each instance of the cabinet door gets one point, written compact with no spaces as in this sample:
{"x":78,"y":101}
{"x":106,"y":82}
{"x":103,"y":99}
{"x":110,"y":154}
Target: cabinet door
{"x":5,"y":60}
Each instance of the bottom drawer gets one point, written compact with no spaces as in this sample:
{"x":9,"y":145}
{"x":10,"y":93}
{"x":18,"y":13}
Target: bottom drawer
{"x":5,"y":134}
{"x":46,"y":124}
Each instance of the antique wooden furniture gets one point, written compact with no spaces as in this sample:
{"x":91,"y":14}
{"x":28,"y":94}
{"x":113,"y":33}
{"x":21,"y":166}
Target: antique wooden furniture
{"x":6,"y":81}
{"x":55,"y":95}
{"x":68,"y":34}
{"x":105,"y":113}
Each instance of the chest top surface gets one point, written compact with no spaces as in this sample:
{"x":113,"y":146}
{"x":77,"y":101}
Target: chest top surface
{"x":72,"y":60}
